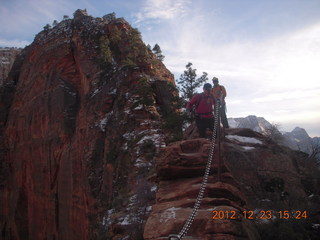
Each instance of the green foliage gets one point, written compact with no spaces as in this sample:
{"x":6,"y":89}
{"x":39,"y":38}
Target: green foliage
{"x":115,"y":35}
{"x":55,"y":23}
{"x":174,"y":119}
{"x":114,"y":39}
{"x":148,"y":148}
{"x":273,"y":133}
{"x":189,"y":82}
{"x":47,"y":27}
{"x":105,"y":51}
{"x":112,"y":156}
{"x":157,"y":51}
{"x":145,"y":93}
{"x":174,"y":122}
{"x":133,"y":50}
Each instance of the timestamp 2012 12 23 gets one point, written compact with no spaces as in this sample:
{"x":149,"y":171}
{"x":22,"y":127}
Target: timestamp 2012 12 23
{"x":260,"y":214}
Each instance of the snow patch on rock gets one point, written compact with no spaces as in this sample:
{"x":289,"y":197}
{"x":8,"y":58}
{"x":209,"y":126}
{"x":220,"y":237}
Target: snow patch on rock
{"x":241,"y":139}
{"x":168,"y":214}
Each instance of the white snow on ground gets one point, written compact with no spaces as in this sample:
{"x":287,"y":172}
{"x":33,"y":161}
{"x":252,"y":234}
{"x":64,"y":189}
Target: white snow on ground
{"x":140,"y":107}
{"x":246,"y":148}
{"x":265,"y":200}
{"x":103,"y":123}
{"x":126,"y":221}
{"x":154,"y":188}
{"x":244,"y":139}
{"x":129,"y":136}
{"x":155,"y":138}
{"x":168,"y":214}
{"x":95,"y":92}
{"x":140,"y":163}
{"x":149,"y":208}
{"x":316,"y":226}
{"x":107,"y":219}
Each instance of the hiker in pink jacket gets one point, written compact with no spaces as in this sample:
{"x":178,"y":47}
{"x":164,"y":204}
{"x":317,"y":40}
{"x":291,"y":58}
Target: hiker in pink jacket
{"x":203,"y":107}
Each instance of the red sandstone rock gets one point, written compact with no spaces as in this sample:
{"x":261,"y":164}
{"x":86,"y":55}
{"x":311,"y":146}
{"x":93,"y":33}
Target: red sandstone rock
{"x":180,"y":168}
{"x":256,"y":176}
{"x":65,"y":155}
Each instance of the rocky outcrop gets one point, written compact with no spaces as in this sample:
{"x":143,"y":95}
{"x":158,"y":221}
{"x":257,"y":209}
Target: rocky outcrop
{"x":80,"y":123}
{"x":298,"y":139}
{"x":180,"y":169}
{"x":7,"y":57}
{"x":256,"y":185}
{"x":258,"y":124}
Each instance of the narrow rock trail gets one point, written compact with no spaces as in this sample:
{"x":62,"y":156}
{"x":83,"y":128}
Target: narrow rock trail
{"x":180,"y":169}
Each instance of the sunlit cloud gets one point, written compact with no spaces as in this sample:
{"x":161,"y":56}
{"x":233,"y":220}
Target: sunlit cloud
{"x":161,"y":10}
{"x":276,"y":77}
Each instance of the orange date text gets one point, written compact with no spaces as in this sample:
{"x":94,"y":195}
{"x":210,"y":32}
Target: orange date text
{"x":261,"y":214}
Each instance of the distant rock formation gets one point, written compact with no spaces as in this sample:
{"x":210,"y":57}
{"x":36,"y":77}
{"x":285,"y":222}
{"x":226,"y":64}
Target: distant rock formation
{"x":258,"y":124}
{"x":7,"y":57}
{"x":297,"y":139}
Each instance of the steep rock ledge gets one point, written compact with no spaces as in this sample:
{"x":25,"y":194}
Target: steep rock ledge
{"x":180,"y":168}
{"x":257,"y":179}
{"x":78,"y":132}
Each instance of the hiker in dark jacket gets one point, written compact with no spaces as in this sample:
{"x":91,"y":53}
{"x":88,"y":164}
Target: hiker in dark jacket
{"x":203,"y":103}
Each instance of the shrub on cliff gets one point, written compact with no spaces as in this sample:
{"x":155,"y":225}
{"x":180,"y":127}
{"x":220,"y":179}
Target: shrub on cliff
{"x":188,"y":82}
{"x":157,"y":51}
{"x":105,"y":52}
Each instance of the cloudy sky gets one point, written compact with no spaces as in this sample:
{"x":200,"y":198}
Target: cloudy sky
{"x":265,"y":52}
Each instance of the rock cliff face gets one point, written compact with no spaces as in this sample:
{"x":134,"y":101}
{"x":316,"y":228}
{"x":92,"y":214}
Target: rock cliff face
{"x":7,"y":57}
{"x":80,"y":122}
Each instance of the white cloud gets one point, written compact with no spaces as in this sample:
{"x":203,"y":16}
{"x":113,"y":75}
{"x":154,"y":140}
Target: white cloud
{"x":162,"y":9}
{"x":276,"y":77}
{"x":21,"y":18}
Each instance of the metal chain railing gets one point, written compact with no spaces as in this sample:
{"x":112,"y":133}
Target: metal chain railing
{"x":196,"y":206}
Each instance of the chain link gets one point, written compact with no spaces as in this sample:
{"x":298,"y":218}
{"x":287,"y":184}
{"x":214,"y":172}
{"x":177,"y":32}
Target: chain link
{"x":196,"y":206}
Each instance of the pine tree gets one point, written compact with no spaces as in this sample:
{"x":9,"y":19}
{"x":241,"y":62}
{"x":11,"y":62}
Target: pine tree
{"x":189,"y":82}
{"x":157,"y":51}
{"x":55,"y":23}
{"x":47,"y":27}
